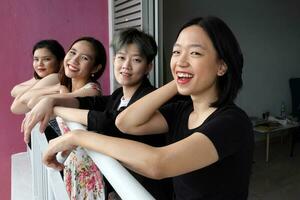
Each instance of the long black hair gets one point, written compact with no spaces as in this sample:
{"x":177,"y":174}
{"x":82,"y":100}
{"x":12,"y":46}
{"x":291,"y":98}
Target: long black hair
{"x":229,"y":51}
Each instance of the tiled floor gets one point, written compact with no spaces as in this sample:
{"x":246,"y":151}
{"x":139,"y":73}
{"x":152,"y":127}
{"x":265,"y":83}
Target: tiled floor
{"x":280,"y":178}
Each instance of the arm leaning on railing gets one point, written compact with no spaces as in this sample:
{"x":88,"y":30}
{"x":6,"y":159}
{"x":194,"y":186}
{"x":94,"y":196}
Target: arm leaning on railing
{"x":121,"y":180}
{"x":48,"y":183}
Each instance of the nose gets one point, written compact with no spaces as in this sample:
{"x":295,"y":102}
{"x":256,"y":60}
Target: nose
{"x":126,"y":64}
{"x":182,"y":61}
{"x":75,"y":59}
{"x":40,"y":62}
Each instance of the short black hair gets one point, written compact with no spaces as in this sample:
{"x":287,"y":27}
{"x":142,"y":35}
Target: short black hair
{"x":100,"y":58}
{"x":54,"y":47}
{"x":229,"y":51}
{"x":145,"y":42}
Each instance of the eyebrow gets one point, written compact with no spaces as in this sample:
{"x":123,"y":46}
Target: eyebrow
{"x":192,"y":45}
{"x":50,"y":56}
{"x":122,"y":52}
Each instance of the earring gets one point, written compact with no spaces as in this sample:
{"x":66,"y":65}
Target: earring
{"x":221,"y":73}
{"x":93,"y":75}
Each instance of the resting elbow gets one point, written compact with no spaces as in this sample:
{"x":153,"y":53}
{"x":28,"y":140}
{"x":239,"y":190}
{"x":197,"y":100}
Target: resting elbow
{"x":156,"y":174}
{"x":121,"y":124}
{"x":14,"y":109}
{"x":155,"y":169}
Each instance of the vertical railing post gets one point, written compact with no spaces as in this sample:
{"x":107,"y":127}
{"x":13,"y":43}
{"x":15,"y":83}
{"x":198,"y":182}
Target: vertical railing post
{"x":47,"y":183}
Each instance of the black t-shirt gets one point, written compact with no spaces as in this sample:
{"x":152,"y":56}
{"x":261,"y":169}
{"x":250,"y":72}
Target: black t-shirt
{"x":230,"y":130}
{"x":101,"y":118}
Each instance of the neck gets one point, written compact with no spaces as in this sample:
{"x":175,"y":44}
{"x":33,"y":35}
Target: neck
{"x":202,"y":102}
{"x":128,"y":91}
{"x":78,"y":83}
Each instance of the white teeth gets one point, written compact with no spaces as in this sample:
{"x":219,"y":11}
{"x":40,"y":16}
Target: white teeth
{"x":72,"y":68}
{"x":184,"y":75}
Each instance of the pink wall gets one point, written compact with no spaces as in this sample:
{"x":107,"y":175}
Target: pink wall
{"x":23,"y":24}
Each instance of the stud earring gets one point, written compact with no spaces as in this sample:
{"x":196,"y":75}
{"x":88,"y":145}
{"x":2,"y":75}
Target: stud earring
{"x":93,"y":75}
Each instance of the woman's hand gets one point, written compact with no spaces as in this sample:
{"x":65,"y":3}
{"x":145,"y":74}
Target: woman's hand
{"x":63,"y":89}
{"x":62,"y":144}
{"x":41,"y":112}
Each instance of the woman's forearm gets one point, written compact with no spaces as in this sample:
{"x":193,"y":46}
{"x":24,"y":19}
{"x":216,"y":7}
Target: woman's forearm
{"x":72,"y":114}
{"x":144,"y":109}
{"x":36,"y":94}
{"x":145,"y":157}
{"x":17,"y":107}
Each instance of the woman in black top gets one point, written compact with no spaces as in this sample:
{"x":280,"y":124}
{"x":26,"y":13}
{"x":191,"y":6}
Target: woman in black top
{"x":134,"y":52}
{"x":211,"y":139}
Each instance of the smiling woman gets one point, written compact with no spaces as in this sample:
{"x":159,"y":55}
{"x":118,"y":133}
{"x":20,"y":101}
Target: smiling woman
{"x":47,"y":59}
{"x":48,"y":56}
{"x":134,"y":52}
{"x":210,"y":139}
{"x":84,"y":63}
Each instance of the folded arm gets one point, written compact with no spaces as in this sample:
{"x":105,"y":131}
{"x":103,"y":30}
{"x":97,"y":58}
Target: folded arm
{"x":42,"y":112}
{"x":47,"y":85}
{"x":72,"y":114}
{"x":143,"y":117}
{"x":23,"y":87}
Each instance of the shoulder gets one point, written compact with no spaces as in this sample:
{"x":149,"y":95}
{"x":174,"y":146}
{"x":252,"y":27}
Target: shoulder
{"x":176,"y":109}
{"x":146,"y":86}
{"x":229,"y":118}
{"x":232,"y":112}
{"x":93,"y":85}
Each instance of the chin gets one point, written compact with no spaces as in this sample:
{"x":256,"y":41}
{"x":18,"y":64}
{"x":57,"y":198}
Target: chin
{"x":183,"y":91}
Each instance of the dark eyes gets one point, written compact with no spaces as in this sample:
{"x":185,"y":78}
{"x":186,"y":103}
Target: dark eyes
{"x":137,"y":60}
{"x":121,"y":57}
{"x":42,"y":59}
{"x":72,"y":52}
{"x":84,"y":58}
{"x":196,"y":53}
{"x":175,"y":52}
{"x":193,"y":53}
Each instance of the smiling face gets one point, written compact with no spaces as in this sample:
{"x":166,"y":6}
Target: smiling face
{"x":79,"y":61}
{"x":130,"y":66}
{"x":194,"y":63}
{"x":44,"y":62}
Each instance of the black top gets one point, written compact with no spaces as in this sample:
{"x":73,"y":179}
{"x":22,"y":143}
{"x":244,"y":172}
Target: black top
{"x":101,"y":119}
{"x":230,"y":130}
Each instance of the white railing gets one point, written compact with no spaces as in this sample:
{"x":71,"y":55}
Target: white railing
{"x":48,"y":184}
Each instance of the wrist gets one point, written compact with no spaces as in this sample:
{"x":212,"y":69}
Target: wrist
{"x":74,"y":137}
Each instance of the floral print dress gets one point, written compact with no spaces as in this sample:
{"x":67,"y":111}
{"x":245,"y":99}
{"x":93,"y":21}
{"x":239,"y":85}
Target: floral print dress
{"x":82,"y":177}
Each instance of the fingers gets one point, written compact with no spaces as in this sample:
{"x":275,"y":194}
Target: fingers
{"x":44,"y":123}
{"x":49,"y":157}
{"x":30,"y":121}
{"x":65,"y":153}
{"x":22,"y":124}
{"x":28,"y":126}
{"x":50,"y":161}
